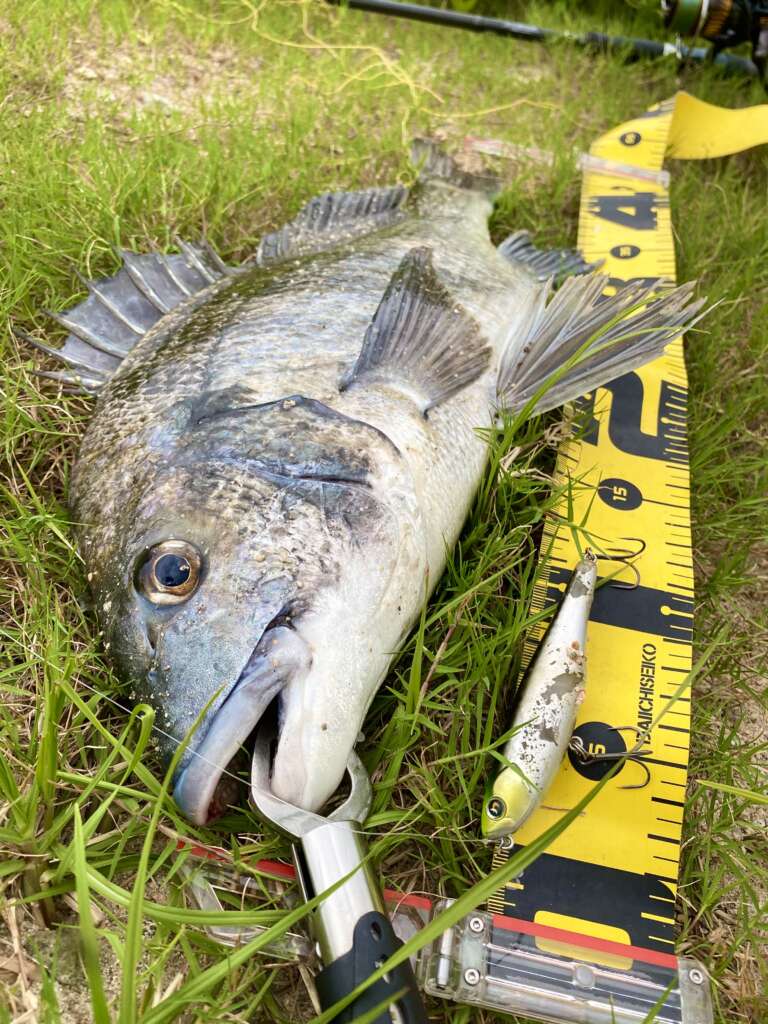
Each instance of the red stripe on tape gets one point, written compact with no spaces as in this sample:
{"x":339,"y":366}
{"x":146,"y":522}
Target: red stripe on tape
{"x":545,"y":931}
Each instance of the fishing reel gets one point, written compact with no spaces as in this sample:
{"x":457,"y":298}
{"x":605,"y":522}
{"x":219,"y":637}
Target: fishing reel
{"x":725,"y":23}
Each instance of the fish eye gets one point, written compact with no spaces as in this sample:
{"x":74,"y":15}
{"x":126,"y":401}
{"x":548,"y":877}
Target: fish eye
{"x":170,"y":572}
{"x":496,"y":808}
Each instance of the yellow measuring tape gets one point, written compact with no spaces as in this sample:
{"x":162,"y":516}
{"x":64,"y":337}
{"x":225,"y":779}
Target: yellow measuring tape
{"x":612,"y":875}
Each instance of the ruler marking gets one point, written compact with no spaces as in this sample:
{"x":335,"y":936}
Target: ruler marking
{"x":664,"y":839}
{"x":665,"y":764}
{"x":666,"y":800}
{"x":657,"y":917}
{"x":675,"y":728}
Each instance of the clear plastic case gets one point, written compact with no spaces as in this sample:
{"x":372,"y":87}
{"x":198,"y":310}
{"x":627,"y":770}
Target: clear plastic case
{"x":481,"y":962}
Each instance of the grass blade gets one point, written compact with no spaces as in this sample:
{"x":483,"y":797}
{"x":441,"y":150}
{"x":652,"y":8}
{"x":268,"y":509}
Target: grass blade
{"x":88,"y":937}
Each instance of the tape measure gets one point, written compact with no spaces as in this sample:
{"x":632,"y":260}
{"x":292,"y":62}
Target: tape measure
{"x":612,"y":875}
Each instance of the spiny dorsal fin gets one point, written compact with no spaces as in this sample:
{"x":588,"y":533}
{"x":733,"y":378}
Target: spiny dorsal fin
{"x":420,"y":338}
{"x":544,"y":263}
{"x":579,"y":339}
{"x":331,"y":218}
{"x":121,"y":309}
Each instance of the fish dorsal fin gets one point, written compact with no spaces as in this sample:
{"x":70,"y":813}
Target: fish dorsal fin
{"x":544,"y":263}
{"x":331,"y":218}
{"x":121,"y":309}
{"x":420,"y":338}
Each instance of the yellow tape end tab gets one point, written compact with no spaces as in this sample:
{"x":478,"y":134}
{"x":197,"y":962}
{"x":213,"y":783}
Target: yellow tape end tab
{"x":701,"y":130}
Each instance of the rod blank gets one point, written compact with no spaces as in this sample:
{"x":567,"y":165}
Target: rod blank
{"x":532,"y":33}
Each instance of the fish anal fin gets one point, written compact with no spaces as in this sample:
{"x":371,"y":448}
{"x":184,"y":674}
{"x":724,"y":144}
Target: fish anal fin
{"x":332,"y":218}
{"x":121,"y":309}
{"x":543,"y":263}
{"x":420,"y":339}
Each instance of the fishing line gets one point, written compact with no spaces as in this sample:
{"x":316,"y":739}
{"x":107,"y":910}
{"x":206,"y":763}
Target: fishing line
{"x":162,"y":732}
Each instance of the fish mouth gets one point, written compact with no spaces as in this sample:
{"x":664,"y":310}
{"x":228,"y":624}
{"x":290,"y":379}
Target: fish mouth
{"x":279,"y":656}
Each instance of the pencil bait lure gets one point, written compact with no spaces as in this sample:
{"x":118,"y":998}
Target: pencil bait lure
{"x":545,"y":715}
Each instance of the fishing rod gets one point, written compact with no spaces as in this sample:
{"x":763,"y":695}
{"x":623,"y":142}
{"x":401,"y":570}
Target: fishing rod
{"x":632,"y":48}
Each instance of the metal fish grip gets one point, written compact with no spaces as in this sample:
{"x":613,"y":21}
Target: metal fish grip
{"x":354,"y":936}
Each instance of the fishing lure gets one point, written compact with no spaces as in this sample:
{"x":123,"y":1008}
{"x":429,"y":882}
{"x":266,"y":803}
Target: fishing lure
{"x":545,"y":716}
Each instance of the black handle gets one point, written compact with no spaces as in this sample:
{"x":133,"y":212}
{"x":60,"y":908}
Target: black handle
{"x":374,"y":941}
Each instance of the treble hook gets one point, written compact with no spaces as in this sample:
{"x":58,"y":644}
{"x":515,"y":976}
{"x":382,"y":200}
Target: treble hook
{"x":624,"y":557}
{"x":636,"y":756}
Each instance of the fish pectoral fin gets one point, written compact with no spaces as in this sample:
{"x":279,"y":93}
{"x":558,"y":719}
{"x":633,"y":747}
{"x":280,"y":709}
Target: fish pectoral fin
{"x":119,"y":310}
{"x":330,"y":219}
{"x":420,"y":338}
{"x":578,"y":339}
{"x":543,"y":264}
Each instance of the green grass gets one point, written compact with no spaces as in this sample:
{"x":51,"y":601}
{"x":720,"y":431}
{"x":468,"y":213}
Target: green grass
{"x":125,"y":128}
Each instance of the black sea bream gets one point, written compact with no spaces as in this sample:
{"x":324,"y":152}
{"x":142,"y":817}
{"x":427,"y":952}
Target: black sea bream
{"x":281,"y":453}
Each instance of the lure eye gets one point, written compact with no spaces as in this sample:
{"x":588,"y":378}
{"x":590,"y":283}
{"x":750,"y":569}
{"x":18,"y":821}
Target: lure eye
{"x":496,"y":808}
{"x":170,"y":573}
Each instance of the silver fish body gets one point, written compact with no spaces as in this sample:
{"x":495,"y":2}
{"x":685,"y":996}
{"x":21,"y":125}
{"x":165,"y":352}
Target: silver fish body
{"x":226,"y":428}
{"x":545,"y":714}
{"x":281,"y":455}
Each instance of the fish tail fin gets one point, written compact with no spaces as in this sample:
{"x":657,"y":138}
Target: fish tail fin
{"x":435,"y":164}
{"x":575,"y":340}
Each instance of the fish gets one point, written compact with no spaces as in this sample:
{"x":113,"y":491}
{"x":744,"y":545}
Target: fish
{"x":281,"y":452}
{"x":545,"y":713}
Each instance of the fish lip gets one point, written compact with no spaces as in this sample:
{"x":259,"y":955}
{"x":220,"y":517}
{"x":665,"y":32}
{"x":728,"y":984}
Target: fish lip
{"x":235,"y":719}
